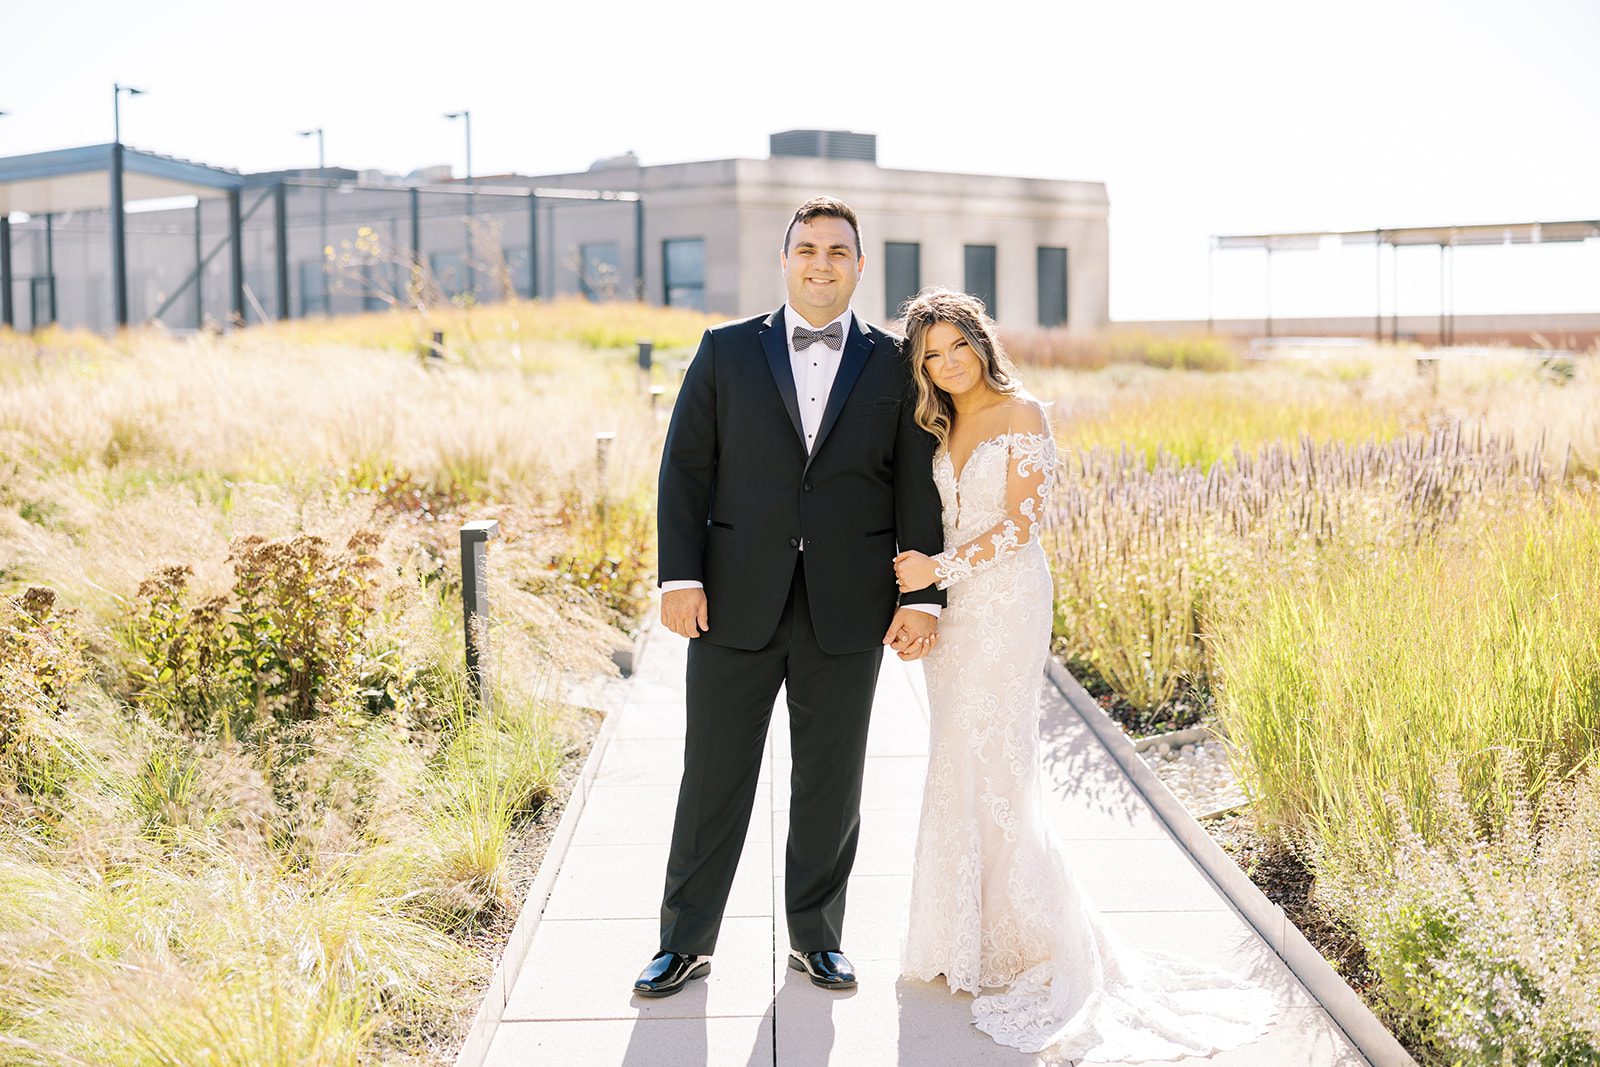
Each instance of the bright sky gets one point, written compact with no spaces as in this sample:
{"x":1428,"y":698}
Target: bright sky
{"x":1201,"y":118}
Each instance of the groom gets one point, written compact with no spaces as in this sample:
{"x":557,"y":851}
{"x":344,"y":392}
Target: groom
{"x":792,"y":473}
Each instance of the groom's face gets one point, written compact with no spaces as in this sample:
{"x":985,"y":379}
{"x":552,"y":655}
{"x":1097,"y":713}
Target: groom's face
{"x":821,"y":268}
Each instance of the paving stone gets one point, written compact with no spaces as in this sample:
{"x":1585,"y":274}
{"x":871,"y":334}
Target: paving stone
{"x":584,"y":969}
{"x":1219,"y":938}
{"x":1140,"y":875}
{"x":887,"y":783}
{"x":647,"y":761}
{"x":626,"y":882}
{"x":1302,"y":1037}
{"x":744,"y":1041}
{"x":876,"y":906}
{"x":886,"y":1019}
{"x":572,"y":1002}
{"x":643,"y":815}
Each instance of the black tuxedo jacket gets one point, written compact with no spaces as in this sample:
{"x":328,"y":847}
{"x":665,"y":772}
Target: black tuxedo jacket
{"x":738,"y":491}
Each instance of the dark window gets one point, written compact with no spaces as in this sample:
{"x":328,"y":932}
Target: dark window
{"x":313,"y":288}
{"x":683,"y":270}
{"x":600,"y":271}
{"x":375,"y":282}
{"x":980,"y":276}
{"x":39,"y":307}
{"x":902,"y":274}
{"x":1052,"y":287}
{"x":449,"y":270}
{"x":517,"y":268}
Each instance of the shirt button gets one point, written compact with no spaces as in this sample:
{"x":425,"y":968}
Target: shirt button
{"x":808,"y":487}
{"x":794,"y":542}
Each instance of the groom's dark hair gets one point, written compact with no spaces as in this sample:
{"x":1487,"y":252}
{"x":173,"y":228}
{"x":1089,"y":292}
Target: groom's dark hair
{"x":823,"y":207}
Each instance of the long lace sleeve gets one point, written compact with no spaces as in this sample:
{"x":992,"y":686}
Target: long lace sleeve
{"x":1030,"y":478}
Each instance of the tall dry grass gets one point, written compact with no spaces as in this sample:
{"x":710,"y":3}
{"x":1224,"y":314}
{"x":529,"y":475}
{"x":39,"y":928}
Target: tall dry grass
{"x":1392,"y":618}
{"x":1346,"y":688}
{"x":514,"y":330}
{"x":1145,"y":557}
{"x":1059,"y":348}
{"x":250,"y":811}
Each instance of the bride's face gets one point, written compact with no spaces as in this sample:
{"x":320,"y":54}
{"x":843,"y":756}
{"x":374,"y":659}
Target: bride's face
{"x":951,"y":363}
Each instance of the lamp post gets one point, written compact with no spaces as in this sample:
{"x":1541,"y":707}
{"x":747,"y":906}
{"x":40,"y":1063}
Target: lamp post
{"x":322,"y":210}
{"x":471,"y":279}
{"x":116,"y":108}
{"x":6,"y":315}
{"x":119,"y":240}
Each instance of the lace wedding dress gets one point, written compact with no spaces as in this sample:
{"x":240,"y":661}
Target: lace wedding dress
{"x":992,"y":905}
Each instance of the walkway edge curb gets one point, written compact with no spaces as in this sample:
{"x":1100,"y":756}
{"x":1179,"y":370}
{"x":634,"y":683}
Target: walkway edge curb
{"x":480,"y":1035}
{"x":1341,"y":1002}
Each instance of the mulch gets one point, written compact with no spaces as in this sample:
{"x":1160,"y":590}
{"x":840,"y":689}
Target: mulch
{"x":1288,"y":881}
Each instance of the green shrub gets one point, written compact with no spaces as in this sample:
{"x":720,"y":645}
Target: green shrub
{"x":42,"y":665}
{"x":1487,"y":947}
{"x":293,"y":636}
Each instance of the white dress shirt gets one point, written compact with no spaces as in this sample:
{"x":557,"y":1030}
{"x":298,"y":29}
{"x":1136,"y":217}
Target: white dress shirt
{"x":814,"y":371}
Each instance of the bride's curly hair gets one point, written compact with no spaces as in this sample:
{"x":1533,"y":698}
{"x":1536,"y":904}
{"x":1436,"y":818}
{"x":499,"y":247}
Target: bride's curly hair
{"x":935,"y":412}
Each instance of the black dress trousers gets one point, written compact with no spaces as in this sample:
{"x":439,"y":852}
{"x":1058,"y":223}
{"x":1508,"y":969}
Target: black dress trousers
{"x":730,"y":694}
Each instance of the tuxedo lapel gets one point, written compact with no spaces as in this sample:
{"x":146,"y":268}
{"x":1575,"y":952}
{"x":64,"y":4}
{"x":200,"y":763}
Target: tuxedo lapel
{"x":857,"y":348}
{"x":776,"y":347}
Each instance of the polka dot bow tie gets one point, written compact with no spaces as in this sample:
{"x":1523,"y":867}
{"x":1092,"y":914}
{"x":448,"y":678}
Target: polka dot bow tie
{"x":831,"y":335}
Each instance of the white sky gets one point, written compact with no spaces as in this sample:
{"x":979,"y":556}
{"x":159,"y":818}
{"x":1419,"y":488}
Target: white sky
{"x":1201,"y":117}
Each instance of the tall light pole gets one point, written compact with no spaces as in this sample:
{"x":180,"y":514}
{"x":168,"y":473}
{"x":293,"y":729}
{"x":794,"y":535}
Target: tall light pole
{"x":467,"y":115}
{"x":322,"y":210}
{"x":119,"y":239}
{"x":6,"y":315}
{"x":472,"y":282}
{"x":116,"y":108}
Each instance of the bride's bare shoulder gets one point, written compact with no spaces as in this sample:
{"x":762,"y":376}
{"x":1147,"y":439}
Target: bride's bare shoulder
{"x":1024,"y":414}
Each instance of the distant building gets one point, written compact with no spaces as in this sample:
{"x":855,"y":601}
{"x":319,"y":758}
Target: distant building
{"x":704,"y":235}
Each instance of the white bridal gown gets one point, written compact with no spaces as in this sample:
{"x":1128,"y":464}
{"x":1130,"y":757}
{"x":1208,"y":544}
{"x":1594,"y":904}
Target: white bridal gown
{"x":993,"y":907}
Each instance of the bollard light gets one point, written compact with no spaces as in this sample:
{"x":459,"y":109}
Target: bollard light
{"x":438,"y":344}
{"x":602,"y":446}
{"x":656,"y":393}
{"x":646,"y":354}
{"x":475,"y":537}
{"x":1428,"y":369}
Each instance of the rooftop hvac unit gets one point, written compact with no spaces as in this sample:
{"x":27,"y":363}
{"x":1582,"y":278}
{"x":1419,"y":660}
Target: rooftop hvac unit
{"x":826,"y":144}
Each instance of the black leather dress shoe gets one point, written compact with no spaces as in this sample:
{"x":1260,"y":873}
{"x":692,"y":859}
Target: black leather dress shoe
{"x":670,"y":972}
{"x":828,"y":970}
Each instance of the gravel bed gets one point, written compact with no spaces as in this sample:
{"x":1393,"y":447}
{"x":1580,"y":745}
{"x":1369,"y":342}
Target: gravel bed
{"x":1197,"y":774}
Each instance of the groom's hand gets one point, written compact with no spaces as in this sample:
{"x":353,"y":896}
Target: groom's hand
{"x":682,"y":610}
{"x":912,"y":633}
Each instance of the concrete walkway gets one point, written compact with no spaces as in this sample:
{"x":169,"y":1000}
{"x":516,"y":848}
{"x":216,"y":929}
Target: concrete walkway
{"x":572,"y":1003}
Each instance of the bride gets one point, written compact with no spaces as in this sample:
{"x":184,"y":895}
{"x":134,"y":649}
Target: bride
{"x":993,"y":906}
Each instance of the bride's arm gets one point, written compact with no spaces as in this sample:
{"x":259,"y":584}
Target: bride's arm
{"x":1029,"y":477}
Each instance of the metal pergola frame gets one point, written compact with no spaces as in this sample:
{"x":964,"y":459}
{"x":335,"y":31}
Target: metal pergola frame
{"x":1446,"y":238}
{"x":45,"y":184}
{"x":535,"y":197}
{"x":50,"y":183}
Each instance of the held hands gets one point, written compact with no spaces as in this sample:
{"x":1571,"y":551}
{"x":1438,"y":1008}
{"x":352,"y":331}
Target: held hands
{"x":913,"y":571}
{"x":912,"y":633}
{"x":682,"y":610}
